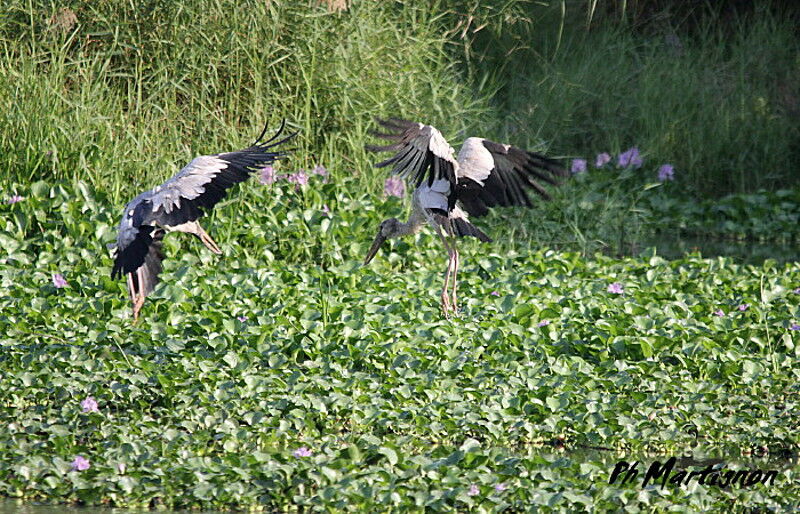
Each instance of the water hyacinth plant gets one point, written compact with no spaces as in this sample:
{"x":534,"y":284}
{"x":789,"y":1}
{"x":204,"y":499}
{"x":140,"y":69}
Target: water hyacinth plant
{"x":394,"y":186}
{"x":578,"y":166}
{"x":284,"y":376}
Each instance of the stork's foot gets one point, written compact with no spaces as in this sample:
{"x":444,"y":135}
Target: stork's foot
{"x":137,"y":306}
{"x":205,"y":238}
{"x":446,"y":307}
{"x":210,"y":244}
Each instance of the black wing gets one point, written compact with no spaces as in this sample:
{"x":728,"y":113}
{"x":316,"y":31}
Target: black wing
{"x":493,"y":174}
{"x":204,"y":181}
{"x":422,"y":152}
{"x":141,"y":258}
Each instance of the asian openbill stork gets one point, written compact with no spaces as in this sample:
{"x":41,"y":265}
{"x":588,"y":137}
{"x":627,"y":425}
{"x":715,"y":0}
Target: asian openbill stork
{"x":485,"y":174}
{"x":176,"y":205}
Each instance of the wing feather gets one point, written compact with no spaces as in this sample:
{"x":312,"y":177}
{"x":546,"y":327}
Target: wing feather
{"x":203,"y":182}
{"x":421,"y":152}
{"x":493,"y":174}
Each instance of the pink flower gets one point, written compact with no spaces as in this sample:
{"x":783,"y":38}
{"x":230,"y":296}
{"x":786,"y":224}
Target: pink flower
{"x":473,"y":490}
{"x":494,"y":293}
{"x":543,"y":323}
{"x":602,"y":160}
{"x":242,"y":318}
{"x":719,"y":313}
{"x":743,"y":307}
{"x":14,"y":199}
{"x":89,"y":405}
{"x":666,"y":172}
{"x":326,"y":210}
{"x":320,"y":170}
{"x":302,"y":452}
{"x":299,"y":179}
{"x":630,"y":157}
{"x":59,"y":281}
{"x":500,"y":487}
{"x":616,"y":288}
{"x":80,"y":464}
{"x":394,"y":186}
{"x":578,"y":165}
{"x":267,"y":176}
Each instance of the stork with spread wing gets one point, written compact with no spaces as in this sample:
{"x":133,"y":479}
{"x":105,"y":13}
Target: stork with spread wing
{"x":447,"y":189}
{"x":176,"y":205}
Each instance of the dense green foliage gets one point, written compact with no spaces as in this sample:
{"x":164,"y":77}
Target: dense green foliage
{"x":199,"y":407}
{"x":285,"y":343}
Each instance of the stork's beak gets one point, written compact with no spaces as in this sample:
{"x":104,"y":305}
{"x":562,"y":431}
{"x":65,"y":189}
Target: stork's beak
{"x":376,"y":245}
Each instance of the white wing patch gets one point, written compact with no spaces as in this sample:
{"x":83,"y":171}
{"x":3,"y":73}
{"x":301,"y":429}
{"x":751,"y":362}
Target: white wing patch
{"x":433,"y":196}
{"x":188,"y":183}
{"x":439,"y":145}
{"x":475,"y":161}
{"x":457,"y":212}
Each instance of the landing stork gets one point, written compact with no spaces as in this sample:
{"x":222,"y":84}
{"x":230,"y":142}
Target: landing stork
{"x":176,"y":205}
{"x":485,"y":174}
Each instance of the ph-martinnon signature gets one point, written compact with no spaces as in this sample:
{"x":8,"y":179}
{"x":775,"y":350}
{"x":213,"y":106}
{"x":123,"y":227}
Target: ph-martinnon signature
{"x":626,"y":472}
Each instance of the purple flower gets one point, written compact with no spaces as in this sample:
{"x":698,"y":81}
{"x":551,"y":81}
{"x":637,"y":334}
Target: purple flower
{"x":602,"y":159}
{"x":796,"y":291}
{"x":80,"y":463}
{"x":666,"y":172}
{"x":743,"y":307}
{"x":494,"y":293}
{"x":394,"y":186}
{"x":500,"y":487}
{"x":89,"y":405}
{"x":630,"y":157}
{"x":14,"y":199}
{"x":326,"y":210}
{"x":473,"y":490}
{"x":302,"y":452}
{"x":719,"y":313}
{"x":543,"y":323}
{"x":58,"y":281}
{"x":578,"y":165}
{"x":320,"y":170}
{"x":242,"y":318}
{"x":794,"y":326}
{"x":267,"y":176}
{"x":299,"y":179}
{"x":616,"y":288}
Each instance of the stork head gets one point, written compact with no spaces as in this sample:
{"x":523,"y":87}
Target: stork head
{"x":389,"y":228}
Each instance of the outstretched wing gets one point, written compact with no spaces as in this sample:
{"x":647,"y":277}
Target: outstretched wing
{"x":204,"y":181}
{"x":422,"y":152}
{"x":493,"y":174}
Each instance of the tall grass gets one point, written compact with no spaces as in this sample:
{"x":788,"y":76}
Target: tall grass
{"x":131,"y":90}
{"x":125,"y":91}
{"x":720,"y":102}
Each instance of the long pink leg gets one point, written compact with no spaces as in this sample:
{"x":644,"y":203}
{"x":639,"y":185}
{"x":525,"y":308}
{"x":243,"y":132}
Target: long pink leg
{"x":446,"y":307}
{"x":455,"y":274}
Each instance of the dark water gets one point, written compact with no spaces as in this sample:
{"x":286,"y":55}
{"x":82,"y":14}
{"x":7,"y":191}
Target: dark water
{"x":745,"y":252}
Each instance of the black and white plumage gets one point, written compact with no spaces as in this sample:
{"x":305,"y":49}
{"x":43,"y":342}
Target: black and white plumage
{"x":176,"y":205}
{"x":484,"y":175}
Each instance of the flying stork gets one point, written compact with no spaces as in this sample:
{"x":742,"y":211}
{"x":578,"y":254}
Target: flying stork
{"x":176,"y":205}
{"x":485,"y":174}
